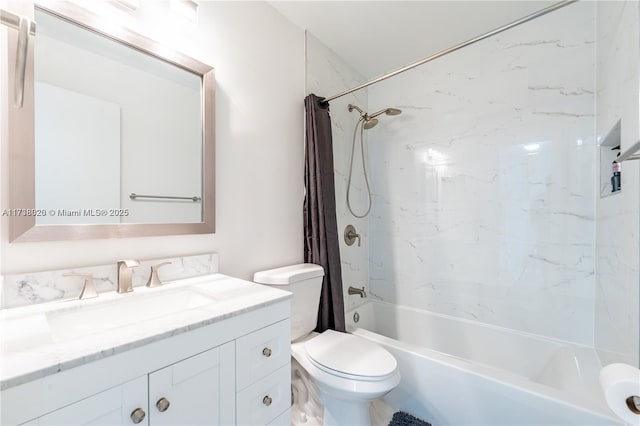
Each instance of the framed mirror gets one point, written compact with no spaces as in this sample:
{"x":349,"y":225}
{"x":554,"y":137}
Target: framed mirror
{"x":115,"y":137}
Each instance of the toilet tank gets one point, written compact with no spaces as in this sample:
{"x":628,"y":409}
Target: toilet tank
{"x":305,"y":282}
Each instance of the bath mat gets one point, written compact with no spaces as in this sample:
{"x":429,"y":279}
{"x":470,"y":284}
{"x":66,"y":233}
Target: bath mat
{"x":402,"y":418}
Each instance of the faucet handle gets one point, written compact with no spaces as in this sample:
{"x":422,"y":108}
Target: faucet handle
{"x":88,"y":289}
{"x":154,"y":280}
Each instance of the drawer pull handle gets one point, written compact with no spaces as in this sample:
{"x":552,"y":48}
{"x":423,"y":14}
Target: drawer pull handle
{"x":266,"y":352}
{"x":138,"y":415}
{"x":267,"y":400}
{"x":163,"y":404}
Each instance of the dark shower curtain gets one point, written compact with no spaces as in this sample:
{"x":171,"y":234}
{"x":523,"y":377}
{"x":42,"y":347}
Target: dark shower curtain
{"x":320,"y":224}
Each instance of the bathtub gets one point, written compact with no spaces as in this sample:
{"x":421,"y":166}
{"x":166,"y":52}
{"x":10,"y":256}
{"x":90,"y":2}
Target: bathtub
{"x":460,"y":372}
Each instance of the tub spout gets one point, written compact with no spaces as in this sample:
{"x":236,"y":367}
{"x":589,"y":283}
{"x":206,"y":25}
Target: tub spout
{"x":361,"y":292}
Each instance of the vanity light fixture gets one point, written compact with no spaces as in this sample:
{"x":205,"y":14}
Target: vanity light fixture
{"x":186,"y":8}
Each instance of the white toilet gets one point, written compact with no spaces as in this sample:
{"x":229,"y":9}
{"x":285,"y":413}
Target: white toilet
{"x":349,"y":371}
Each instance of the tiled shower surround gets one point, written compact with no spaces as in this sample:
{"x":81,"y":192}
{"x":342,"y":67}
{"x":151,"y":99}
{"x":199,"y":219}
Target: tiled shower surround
{"x":486,"y":189}
{"x":617,"y":289}
{"x":484,"y":186}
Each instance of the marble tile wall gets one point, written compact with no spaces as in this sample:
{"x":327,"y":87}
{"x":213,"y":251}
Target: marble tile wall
{"x":47,"y":286}
{"x":326,"y":75}
{"x":618,"y":216}
{"x":484,"y":186}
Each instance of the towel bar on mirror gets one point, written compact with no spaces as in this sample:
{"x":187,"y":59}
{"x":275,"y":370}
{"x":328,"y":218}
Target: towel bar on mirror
{"x":135,"y":196}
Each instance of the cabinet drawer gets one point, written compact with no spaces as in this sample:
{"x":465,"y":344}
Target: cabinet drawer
{"x":262,"y":402}
{"x":262,"y":352}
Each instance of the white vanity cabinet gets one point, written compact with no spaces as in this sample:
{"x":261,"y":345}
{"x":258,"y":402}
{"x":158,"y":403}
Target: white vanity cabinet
{"x":233,"y":371}
{"x":194,"y":391}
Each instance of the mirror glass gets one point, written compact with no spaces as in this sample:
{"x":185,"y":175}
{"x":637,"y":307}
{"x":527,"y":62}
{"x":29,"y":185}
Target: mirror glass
{"x":112,"y":121}
{"x":115,"y":138}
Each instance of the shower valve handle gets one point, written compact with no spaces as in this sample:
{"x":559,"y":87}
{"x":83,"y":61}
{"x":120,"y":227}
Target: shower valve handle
{"x":350,"y":235}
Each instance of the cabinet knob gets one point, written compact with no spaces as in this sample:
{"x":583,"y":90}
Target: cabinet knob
{"x":267,"y":400}
{"x":138,"y":415}
{"x":163,"y":404}
{"x":266,"y":352}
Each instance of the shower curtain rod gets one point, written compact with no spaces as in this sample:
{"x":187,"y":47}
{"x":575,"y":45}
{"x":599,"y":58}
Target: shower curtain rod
{"x":456,"y":47}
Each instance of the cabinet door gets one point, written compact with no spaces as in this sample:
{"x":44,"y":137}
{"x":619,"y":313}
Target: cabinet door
{"x":109,"y":408}
{"x":196,"y":391}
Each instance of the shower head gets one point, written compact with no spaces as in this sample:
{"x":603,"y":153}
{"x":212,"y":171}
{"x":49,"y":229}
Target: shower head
{"x":388,"y":111}
{"x":370,"y":123}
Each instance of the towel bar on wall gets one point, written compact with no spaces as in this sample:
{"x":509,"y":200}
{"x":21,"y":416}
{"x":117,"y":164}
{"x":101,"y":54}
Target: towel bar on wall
{"x":135,"y":196}
{"x":633,"y":153}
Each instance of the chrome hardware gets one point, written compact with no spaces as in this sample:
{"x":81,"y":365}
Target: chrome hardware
{"x":356,"y":317}
{"x":135,"y":196}
{"x":125,"y":272}
{"x":493,"y":32}
{"x":633,"y":404}
{"x":21,"y":60}
{"x":361,"y":292}
{"x":266,"y":352}
{"x":267,"y":400}
{"x":350,"y":235}
{"x":13,"y":21}
{"x":154,"y":280}
{"x":88,"y":289}
{"x":25,"y":27}
{"x":163,"y":404}
{"x":138,"y":415}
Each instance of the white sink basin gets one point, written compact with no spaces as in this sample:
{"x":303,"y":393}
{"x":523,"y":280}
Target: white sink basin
{"x":128,"y":309}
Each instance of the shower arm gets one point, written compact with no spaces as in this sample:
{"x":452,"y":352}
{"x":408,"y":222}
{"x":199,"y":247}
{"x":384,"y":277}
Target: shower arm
{"x":363,"y":114}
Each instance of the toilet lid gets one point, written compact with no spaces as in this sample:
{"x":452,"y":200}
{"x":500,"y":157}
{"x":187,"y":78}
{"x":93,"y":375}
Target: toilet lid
{"x":350,"y":355}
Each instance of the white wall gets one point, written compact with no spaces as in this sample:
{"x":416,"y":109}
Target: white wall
{"x":485,"y":184}
{"x":328,"y":74}
{"x":259,"y":60}
{"x":617,"y":332}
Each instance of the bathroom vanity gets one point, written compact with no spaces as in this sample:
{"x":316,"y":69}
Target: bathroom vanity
{"x":204,"y":350}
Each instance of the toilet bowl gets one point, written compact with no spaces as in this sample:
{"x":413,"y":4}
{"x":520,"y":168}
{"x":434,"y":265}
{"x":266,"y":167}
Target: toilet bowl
{"x":347,"y":370}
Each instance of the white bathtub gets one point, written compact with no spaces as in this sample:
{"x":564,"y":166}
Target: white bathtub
{"x":459,"y":372}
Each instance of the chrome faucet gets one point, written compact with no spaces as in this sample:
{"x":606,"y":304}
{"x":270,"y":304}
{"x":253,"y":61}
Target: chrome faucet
{"x":125,"y":271}
{"x":360,"y":291}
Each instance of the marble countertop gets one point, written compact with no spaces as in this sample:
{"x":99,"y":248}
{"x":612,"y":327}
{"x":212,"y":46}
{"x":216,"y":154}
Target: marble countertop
{"x":32,"y":347}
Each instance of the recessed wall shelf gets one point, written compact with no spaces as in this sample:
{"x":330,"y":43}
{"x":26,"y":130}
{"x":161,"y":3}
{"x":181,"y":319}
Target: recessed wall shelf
{"x":610,"y":153}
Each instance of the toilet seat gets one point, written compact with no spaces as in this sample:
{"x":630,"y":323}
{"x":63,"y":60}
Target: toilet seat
{"x":350,"y":357}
